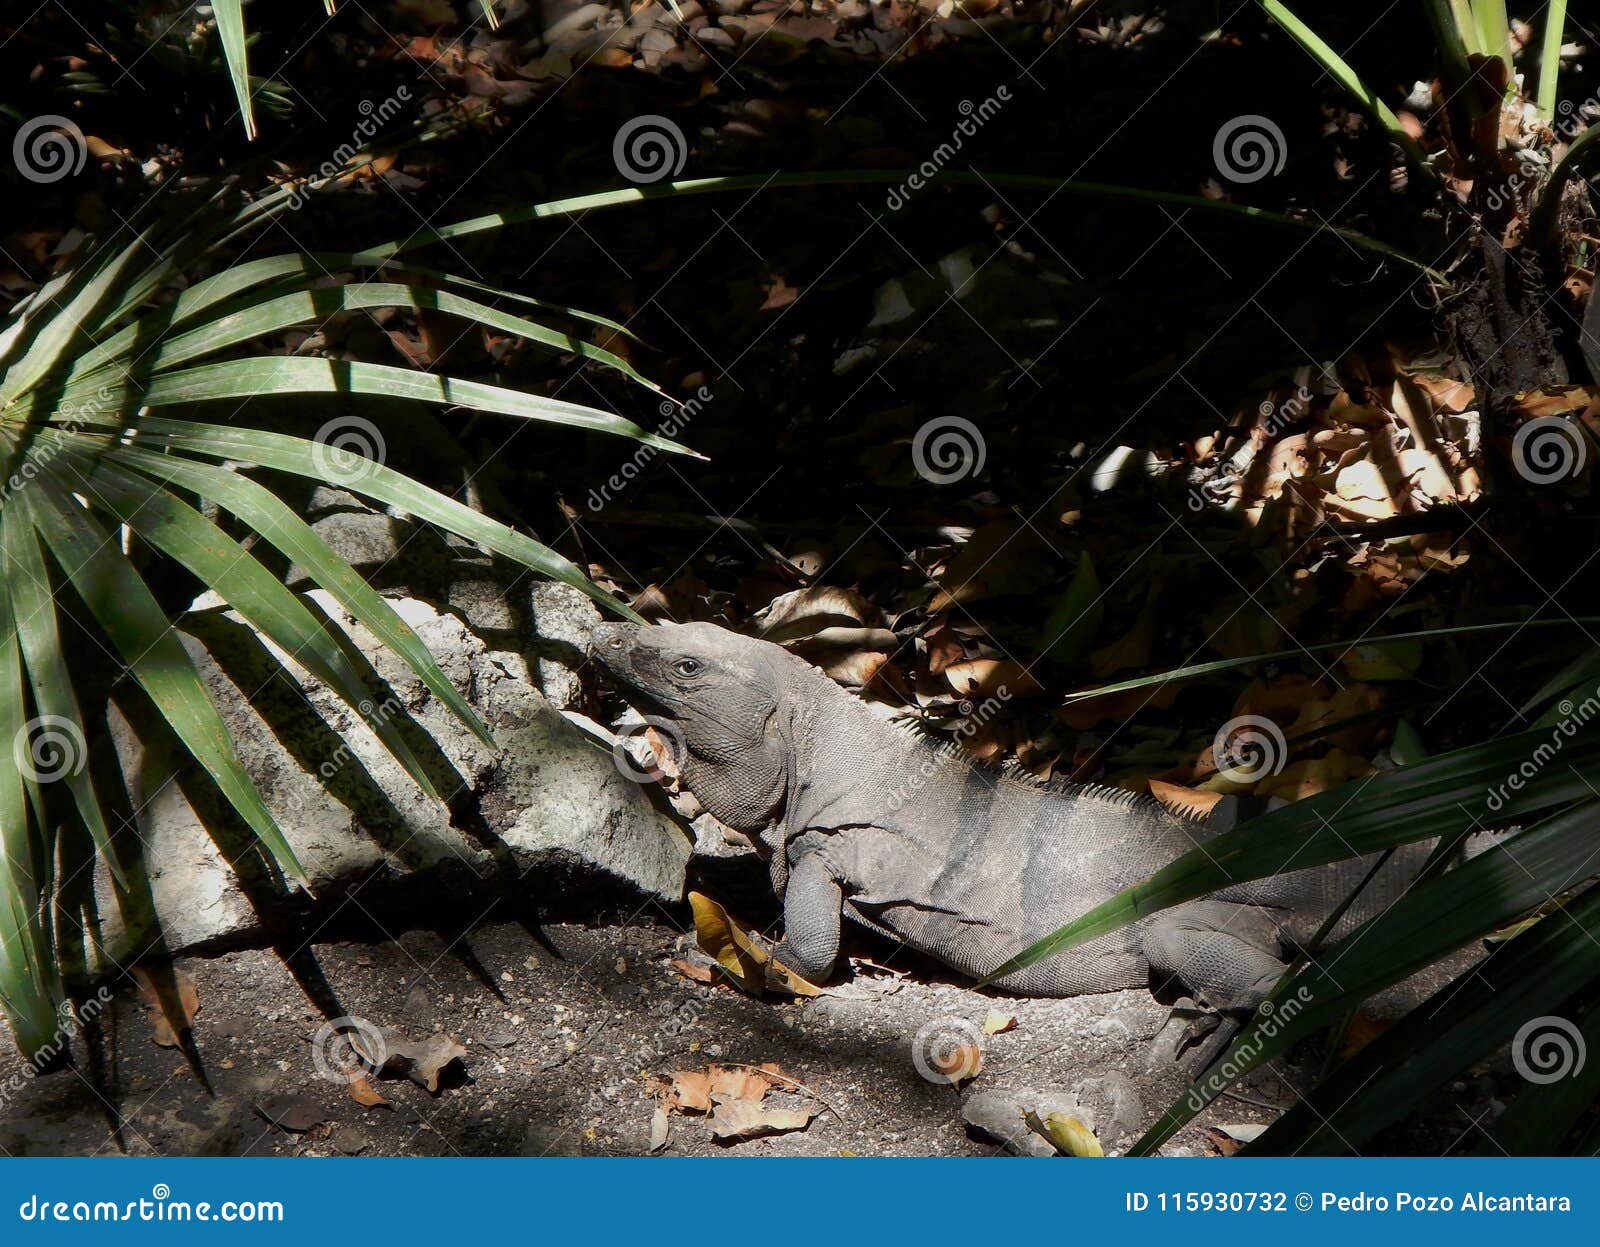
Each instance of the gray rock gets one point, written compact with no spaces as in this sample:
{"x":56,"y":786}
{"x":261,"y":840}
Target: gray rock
{"x":1113,"y":1100}
{"x":1000,"y":1114}
{"x":561,"y":618}
{"x":545,"y":795}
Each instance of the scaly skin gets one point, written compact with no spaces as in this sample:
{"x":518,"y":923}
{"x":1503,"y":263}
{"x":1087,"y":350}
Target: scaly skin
{"x":956,"y":860}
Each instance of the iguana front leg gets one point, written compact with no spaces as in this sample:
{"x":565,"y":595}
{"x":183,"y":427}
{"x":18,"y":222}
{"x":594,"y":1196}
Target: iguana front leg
{"x":812,"y":898}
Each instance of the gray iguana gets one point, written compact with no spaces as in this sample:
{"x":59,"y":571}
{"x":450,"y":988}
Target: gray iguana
{"x":955,"y":859}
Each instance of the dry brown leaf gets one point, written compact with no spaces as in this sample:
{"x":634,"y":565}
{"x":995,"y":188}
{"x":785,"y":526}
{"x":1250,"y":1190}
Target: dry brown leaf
{"x":364,"y":1093}
{"x":1446,"y":393}
{"x":294,"y":1113}
{"x":171,"y":1000}
{"x":689,"y":1091}
{"x":1091,"y":711}
{"x":424,"y":1061}
{"x":806,"y":612}
{"x":945,"y":648}
{"x":987,"y":677}
{"x":779,"y":294}
{"x":738,"y":1083}
{"x":738,"y":1120}
{"x":1553,"y":400}
{"x":1003,"y":558}
{"x":744,"y":961}
{"x":693,"y":972}
{"x":1363,"y":1029}
{"x":1229,"y":1140}
{"x":998,"y":1023}
{"x":1306,"y":779}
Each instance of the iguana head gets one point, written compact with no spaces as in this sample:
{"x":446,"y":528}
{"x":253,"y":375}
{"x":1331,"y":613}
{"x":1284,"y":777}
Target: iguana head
{"x":722,"y":695}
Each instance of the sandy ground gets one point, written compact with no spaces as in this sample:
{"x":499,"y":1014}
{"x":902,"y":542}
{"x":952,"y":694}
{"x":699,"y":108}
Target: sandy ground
{"x":564,"y":1029}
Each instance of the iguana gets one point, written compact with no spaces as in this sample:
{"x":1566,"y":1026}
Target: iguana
{"x":947,"y":856}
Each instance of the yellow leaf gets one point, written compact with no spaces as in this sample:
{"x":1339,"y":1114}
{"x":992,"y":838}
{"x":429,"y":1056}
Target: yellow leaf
{"x":997,"y":1023}
{"x":1071,"y":1136}
{"x":741,"y":958}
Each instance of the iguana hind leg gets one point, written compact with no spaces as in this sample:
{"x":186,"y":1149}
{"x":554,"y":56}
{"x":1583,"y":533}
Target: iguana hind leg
{"x":1228,"y":955}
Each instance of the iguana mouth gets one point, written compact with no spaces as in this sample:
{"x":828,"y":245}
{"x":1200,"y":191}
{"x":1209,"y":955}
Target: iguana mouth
{"x":611,"y":646}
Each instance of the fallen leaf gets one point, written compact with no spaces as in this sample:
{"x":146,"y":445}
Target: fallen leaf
{"x":1306,"y":779}
{"x":738,"y":1120}
{"x":423,"y":1061}
{"x":693,"y":972}
{"x":741,"y":958}
{"x":364,"y":1093}
{"x":1363,"y":1029}
{"x":689,"y":1091}
{"x":1069,"y":1135}
{"x":737,"y":1083}
{"x":1003,"y":558}
{"x":659,"y":1129}
{"x":805,"y":612}
{"x":997,"y":1023}
{"x":1398,"y":660}
{"x":294,"y":1113}
{"x":1228,"y":1140}
{"x":171,"y":1000}
{"x":987,"y":677}
{"x":723,"y":940}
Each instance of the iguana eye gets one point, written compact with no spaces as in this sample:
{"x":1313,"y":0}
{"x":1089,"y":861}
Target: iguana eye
{"x":688,"y":666}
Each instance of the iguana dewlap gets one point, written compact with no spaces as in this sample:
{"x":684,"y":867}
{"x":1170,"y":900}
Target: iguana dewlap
{"x":962,"y":862}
